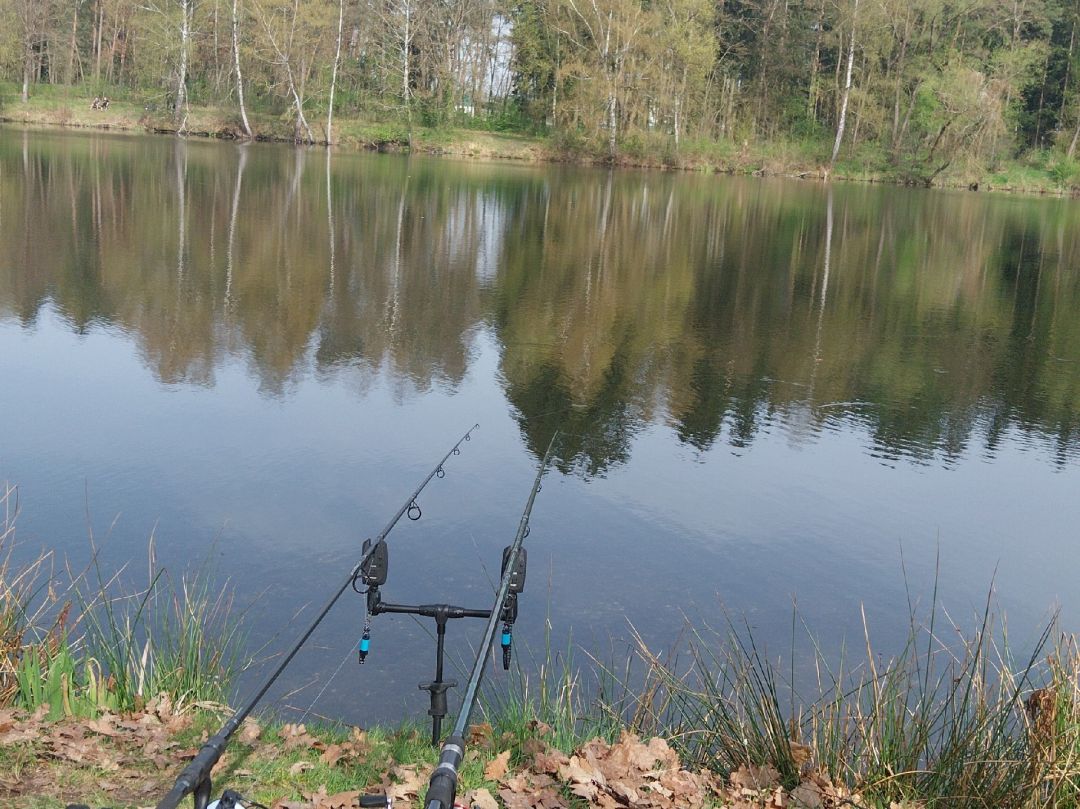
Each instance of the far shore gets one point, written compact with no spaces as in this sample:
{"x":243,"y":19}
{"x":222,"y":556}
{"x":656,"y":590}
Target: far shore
{"x":62,"y":108}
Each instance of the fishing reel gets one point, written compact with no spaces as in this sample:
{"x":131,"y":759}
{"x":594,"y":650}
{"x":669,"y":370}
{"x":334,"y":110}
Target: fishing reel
{"x":373,"y":573}
{"x":231,"y":799}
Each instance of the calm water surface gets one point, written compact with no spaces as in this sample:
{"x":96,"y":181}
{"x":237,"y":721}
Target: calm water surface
{"x":770,"y":390}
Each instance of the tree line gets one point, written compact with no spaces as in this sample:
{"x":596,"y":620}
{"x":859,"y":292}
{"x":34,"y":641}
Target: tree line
{"x":922,"y":84}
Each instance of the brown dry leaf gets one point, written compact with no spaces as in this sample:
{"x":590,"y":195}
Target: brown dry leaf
{"x":409,"y":781}
{"x":104,"y":725}
{"x":538,"y":728}
{"x":297,"y":737}
{"x":807,"y":795}
{"x":531,"y":748}
{"x":332,"y":754}
{"x":515,"y":800}
{"x":626,"y":792}
{"x":342,"y":800}
{"x":480,"y":735}
{"x":577,"y":771}
{"x":550,"y":799}
{"x":18,"y":734}
{"x":222,"y":763}
{"x":549,"y":760}
{"x":250,"y":731}
{"x":800,"y":753}
{"x":497,"y":767}
{"x":300,"y":766}
{"x":161,"y":706}
{"x":754,"y":778}
{"x":644,"y":775}
{"x":685,"y":788}
{"x":519,"y":782}
{"x":480,"y":799}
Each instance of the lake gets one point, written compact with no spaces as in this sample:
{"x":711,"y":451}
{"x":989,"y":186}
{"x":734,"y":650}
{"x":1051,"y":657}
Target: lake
{"x":769,"y":391}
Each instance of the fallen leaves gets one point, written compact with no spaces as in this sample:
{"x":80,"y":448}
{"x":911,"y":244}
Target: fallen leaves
{"x":405,"y":783}
{"x":132,"y":756}
{"x":480,"y":799}
{"x":479,"y":736}
{"x":295,"y":737}
{"x":250,"y":731}
{"x":498,"y":766}
{"x":132,"y":750}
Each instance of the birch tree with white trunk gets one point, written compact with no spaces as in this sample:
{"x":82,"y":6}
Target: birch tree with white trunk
{"x":172,"y":32}
{"x":334,"y":75}
{"x":236,"y":66}
{"x":279,"y":23}
{"x":842,"y":119}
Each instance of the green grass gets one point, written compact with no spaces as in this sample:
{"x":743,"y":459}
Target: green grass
{"x":943,"y":722}
{"x":547,"y":696}
{"x":174,"y":637}
{"x":94,"y":645}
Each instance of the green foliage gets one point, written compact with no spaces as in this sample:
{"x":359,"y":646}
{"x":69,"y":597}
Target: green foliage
{"x":1065,"y":171}
{"x":569,"y":142}
{"x":536,"y":59}
{"x":49,"y":674}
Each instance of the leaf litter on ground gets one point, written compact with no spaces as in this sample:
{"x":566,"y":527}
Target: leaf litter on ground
{"x":130,"y":760}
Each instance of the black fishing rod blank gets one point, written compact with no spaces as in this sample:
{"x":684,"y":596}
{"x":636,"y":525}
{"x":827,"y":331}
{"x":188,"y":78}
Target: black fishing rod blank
{"x":194,"y":779}
{"x":442,"y":788}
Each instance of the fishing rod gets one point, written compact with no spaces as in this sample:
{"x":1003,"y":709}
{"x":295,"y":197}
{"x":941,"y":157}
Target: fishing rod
{"x":442,"y":788}
{"x":194,"y":779}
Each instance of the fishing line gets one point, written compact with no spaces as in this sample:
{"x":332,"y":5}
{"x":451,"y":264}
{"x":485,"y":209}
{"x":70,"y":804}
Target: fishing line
{"x":348,"y":654}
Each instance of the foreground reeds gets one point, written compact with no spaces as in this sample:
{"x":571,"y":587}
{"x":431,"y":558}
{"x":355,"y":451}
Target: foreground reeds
{"x":86,"y":642}
{"x":953,"y":719}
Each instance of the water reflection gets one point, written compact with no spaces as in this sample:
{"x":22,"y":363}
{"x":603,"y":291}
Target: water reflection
{"x":935,"y":323}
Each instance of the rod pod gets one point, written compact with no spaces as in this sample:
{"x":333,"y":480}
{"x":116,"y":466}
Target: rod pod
{"x":194,"y":779}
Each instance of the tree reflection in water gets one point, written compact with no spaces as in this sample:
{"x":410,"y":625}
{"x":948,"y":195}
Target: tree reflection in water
{"x":937,"y":322}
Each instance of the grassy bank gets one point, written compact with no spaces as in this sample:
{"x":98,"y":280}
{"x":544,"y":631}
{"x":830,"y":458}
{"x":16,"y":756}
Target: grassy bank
{"x":105,"y":692}
{"x":1039,"y":172}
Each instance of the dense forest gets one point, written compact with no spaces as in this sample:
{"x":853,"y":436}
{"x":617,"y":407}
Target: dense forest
{"x":923,"y":85}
